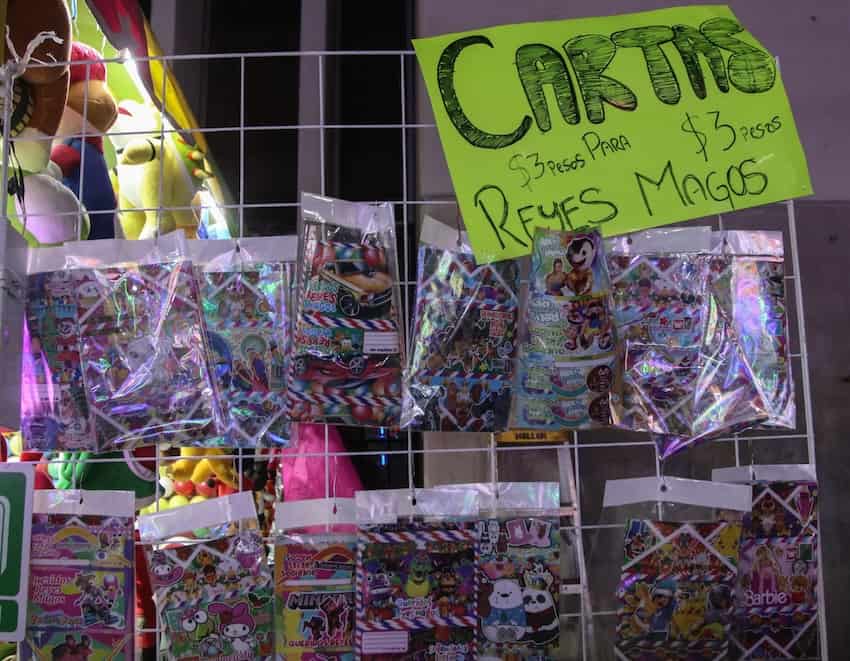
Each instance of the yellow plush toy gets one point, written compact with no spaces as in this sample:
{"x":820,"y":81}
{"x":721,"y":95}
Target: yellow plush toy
{"x":141,"y":158}
{"x":200,"y":470}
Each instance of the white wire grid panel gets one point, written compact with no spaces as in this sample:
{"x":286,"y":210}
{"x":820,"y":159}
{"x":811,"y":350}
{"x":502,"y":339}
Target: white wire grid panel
{"x":577,"y":470}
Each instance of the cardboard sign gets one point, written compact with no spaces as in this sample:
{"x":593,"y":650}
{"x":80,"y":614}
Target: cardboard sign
{"x":620,"y":123}
{"x":16,"y":487}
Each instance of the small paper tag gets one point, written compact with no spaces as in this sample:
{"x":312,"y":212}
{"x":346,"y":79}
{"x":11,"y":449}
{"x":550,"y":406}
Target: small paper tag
{"x":380,"y":342}
{"x":385,"y":642}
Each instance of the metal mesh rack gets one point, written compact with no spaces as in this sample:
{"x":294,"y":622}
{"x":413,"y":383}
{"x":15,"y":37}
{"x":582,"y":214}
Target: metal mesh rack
{"x":577,"y":469}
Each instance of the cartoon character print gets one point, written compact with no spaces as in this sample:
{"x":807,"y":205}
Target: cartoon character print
{"x":418,"y":583}
{"x":248,"y":551}
{"x":506,"y":620}
{"x":236,"y":626}
{"x":581,"y":253}
{"x":197,"y":624}
{"x":165,"y":572}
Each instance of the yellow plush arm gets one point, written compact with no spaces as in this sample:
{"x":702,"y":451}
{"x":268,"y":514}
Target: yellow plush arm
{"x":139,"y":151}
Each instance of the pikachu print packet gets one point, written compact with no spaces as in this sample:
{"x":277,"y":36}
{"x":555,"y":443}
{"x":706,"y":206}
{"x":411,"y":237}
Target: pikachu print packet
{"x":677,"y":589}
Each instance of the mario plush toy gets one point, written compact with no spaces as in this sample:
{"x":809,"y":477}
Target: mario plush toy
{"x":90,"y":105}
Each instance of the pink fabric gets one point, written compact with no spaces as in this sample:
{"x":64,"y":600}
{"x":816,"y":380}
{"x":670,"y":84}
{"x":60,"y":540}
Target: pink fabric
{"x":304,"y":476}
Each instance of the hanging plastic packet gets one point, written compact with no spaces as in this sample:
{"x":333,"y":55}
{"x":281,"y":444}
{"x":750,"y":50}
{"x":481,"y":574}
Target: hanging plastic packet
{"x":212,"y":585}
{"x":416,"y":587}
{"x":519,"y":570}
{"x":314,"y":580}
{"x":347,"y":346}
{"x":661,"y":296}
{"x":464,"y":337}
{"x":244,"y":287}
{"x":745,"y":377}
{"x":114,"y":348}
{"x":677,"y":589}
{"x":81,"y":576}
{"x":567,"y":361}
{"x":776,"y":596}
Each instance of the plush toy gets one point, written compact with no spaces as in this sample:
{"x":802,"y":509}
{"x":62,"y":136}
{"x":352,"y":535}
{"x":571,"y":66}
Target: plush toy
{"x":150,"y":162}
{"x":37,"y":31}
{"x":127,"y":470}
{"x":90,"y":110}
{"x":199,"y":474}
{"x":49,"y":210}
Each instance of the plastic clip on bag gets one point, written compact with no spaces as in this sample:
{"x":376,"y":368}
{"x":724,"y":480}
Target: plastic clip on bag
{"x":416,"y":588}
{"x":314,"y":580}
{"x":463,"y":340}
{"x":744,"y":378}
{"x":659,"y":280}
{"x":567,"y":361}
{"x":81,"y":576}
{"x":244,"y":287}
{"x":212,"y":585}
{"x":114,"y":349}
{"x":347,"y":349}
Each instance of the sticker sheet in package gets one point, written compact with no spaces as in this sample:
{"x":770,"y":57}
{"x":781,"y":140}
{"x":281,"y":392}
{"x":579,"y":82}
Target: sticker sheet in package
{"x":115,"y":356}
{"x":677,"y":590}
{"x":246,"y":320}
{"x":660,"y":291}
{"x":567,"y":363}
{"x":215,"y":598}
{"x":347,"y":345}
{"x":416,"y":592}
{"x":314,"y":590}
{"x":776,"y":597}
{"x":81,"y":586}
{"x":519,"y":588}
{"x":464,"y":340}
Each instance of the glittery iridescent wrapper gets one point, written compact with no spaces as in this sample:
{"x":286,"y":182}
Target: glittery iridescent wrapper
{"x":746,"y":380}
{"x":314,"y":593}
{"x":81,"y":587}
{"x":416,"y":590}
{"x":676,"y":590}
{"x":463,"y":344}
{"x":115,"y":357}
{"x":566,"y":363}
{"x":776,"y":596}
{"x":519,"y":587}
{"x":245,"y":311}
{"x":660,"y":312}
{"x":215,"y":599}
{"x":347,"y":342}
{"x":704,"y":334}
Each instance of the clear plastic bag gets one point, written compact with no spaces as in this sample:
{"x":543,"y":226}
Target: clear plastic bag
{"x":314,"y":580}
{"x":347,"y":348}
{"x":212,"y":586}
{"x":776,"y":595}
{"x":745,"y":377}
{"x":519,"y":570}
{"x":660,"y":289}
{"x":463,"y":340}
{"x":416,"y":578}
{"x":567,"y":360}
{"x":245,"y":288}
{"x":81,"y":596}
{"x":676,"y":589}
{"x":114,"y":348}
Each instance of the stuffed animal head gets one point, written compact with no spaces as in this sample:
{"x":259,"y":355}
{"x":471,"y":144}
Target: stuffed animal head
{"x":137,"y":119}
{"x":40,"y":93}
{"x":89,"y":99}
